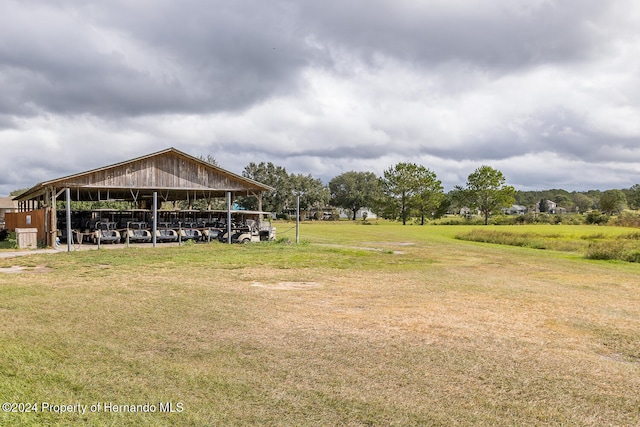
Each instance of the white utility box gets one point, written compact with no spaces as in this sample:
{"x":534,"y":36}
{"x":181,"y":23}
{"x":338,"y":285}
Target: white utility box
{"x":27,"y":238}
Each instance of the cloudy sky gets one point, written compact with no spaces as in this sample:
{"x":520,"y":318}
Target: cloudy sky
{"x":547,"y":91}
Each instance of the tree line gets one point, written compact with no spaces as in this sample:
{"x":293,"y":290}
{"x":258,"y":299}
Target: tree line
{"x":407,"y":191}
{"x":404,"y":191}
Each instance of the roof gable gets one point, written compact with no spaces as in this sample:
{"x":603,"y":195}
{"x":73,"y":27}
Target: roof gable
{"x":165,"y":170}
{"x":168,"y":170}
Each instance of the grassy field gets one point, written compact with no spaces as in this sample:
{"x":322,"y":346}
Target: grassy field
{"x":609,"y":243}
{"x":374,"y":324}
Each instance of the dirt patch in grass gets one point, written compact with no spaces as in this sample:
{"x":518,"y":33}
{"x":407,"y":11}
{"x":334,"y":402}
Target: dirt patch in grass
{"x":287,"y":286}
{"x":390,"y":243}
{"x":18,"y":269}
{"x":369,"y":248}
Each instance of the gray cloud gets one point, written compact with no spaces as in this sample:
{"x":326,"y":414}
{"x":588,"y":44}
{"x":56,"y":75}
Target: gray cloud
{"x":119,"y":59}
{"x":541,"y":88}
{"x":495,"y":35}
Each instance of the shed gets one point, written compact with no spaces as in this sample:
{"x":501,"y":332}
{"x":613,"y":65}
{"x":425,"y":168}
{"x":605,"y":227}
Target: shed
{"x":167,"y":175}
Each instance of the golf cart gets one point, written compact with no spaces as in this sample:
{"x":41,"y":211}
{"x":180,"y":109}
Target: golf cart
{"x":137,"y":232}
{"x":189,"y":231}
{"x":165,"y":233}
{"x":105,"y":232}
{"x":213,"y":230}
{"x":245,"y":232}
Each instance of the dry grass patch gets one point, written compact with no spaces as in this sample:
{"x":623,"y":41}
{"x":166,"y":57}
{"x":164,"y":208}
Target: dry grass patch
{"x":287,"y":286}
{"x":448,"y":333}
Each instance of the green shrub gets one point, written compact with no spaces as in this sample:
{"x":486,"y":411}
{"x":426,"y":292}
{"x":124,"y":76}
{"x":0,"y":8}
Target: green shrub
{"x":606,"y":250}
{"x":573,"y":219}
{"x":473,"y":220}
{"x":543,"y":218}
{"x":627,"y":219}
{"x":454,"y":220}
{"x":460,"y":220}
{"x":503,"y":220}
{"x":632,"y":256}
{"x":521,"y":219}
{"x":596,"y":217}
{"x":10,"y":242}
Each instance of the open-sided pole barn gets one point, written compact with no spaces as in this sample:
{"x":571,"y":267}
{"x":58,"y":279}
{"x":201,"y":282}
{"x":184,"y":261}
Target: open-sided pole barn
{"x":148,"y":181}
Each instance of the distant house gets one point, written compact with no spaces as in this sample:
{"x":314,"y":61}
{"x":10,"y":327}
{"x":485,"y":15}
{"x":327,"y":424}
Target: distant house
{"x":516,"y":210}
{"x":7,"y":204}
{"x":361,"y":213}
{"x":552,"y":207}
{"x":465,"y":211}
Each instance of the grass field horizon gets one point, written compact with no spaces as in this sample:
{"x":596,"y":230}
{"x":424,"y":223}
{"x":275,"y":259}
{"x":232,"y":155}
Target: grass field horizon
{"x":374,"y":324}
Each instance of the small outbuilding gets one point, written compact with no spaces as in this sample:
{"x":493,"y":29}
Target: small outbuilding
{"x":147,"y":182}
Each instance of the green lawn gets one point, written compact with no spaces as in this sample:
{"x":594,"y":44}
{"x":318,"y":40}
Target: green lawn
{"x":374,"y":324}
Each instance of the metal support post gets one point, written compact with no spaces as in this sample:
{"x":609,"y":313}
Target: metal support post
{"x":155,"y":217}
{"x":229,"y":217}
{"x":69,"y":235}
{"x":298,"y":219}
